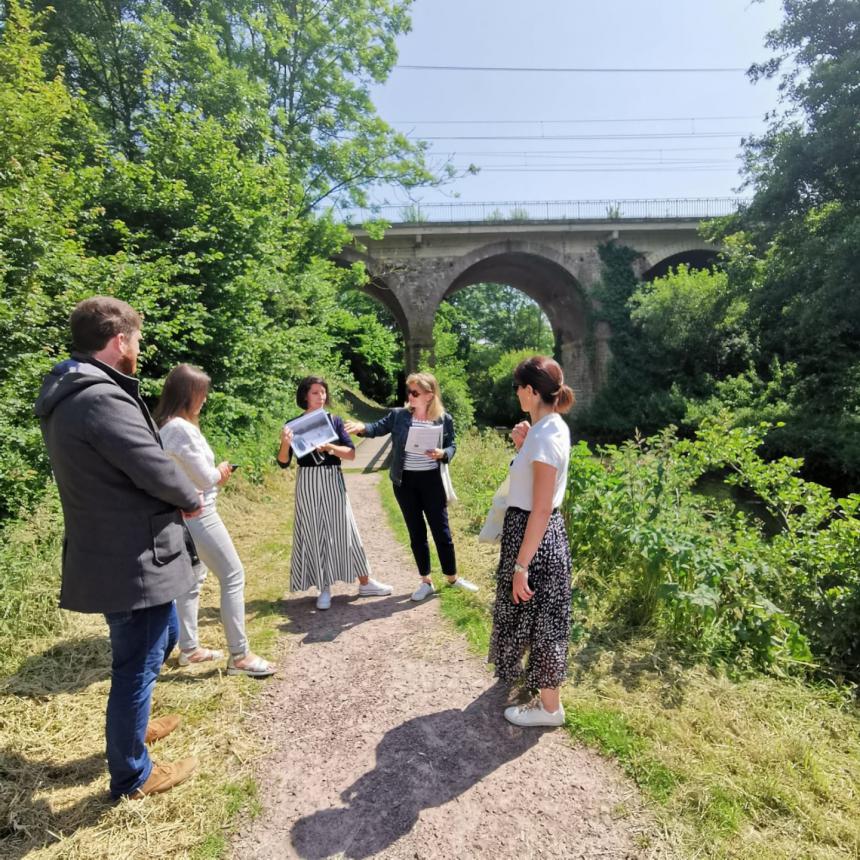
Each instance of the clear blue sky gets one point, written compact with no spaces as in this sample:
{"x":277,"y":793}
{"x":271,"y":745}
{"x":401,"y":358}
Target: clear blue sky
{"x":698,"y":162}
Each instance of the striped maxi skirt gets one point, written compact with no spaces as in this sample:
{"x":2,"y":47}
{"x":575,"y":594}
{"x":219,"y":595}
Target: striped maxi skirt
{"x":326,"y":544}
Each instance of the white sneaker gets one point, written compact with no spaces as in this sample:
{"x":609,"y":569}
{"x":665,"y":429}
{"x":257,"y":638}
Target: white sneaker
{"x":463,"y":585}
{"x":324,"y":600}
{"x":372,"y":588}
{"x":423,"y":590}
{"x":533,"y":714}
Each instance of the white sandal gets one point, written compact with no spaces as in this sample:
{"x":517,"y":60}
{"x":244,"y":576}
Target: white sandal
{"x":257,"y":668}
{"x":199,"y":655}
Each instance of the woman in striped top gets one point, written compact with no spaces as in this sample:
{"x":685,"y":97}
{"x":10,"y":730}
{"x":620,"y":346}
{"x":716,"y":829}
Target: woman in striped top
{"x":326,"y":544}
{"x":417,"y":477}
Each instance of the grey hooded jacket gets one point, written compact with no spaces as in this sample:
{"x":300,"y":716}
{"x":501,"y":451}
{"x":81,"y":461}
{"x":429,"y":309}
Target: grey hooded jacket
{"x":124,"y":545}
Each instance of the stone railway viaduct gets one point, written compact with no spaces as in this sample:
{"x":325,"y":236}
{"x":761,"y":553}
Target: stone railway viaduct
{"x":417,"y":265}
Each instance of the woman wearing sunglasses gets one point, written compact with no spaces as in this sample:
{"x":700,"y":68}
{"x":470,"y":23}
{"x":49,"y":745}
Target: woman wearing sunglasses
{"x":532,"y":609}
{"x":326,"y":544}
{"x":417,"y":477}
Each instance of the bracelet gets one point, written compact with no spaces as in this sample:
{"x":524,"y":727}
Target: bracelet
{"x":520,"y":568}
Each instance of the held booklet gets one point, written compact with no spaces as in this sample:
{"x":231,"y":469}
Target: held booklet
{"x":420,"y":440}
{"x":310,"y":431}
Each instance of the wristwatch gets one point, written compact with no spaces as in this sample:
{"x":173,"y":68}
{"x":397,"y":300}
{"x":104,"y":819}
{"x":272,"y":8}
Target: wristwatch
{"x":520,"y":568}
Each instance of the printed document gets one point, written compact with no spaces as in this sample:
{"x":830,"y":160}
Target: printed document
{"x":310,"y":431}
{"x":423,"y":439}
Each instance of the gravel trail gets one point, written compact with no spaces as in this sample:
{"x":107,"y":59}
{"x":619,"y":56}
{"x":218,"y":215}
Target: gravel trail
{"x":385,"y":738}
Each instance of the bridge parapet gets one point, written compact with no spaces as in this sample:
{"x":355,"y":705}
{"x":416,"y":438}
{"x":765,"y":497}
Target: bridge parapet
{"x":608,"y":211}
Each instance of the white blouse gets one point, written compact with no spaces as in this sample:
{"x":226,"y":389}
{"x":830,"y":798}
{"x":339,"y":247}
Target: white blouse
{"x":188,"y":447}
{"x":548,"y":441}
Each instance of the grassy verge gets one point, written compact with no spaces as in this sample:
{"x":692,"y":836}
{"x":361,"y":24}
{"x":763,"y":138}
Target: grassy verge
{"x":754,"y":769}
{"x":53,"y":783}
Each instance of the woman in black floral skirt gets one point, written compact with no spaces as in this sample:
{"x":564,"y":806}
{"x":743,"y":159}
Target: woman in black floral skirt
{"x":532,"y":608}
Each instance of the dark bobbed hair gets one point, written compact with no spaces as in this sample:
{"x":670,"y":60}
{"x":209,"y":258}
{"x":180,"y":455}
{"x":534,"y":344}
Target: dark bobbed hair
{"x":96,"y":320}
{"x":184,"y":385}
{"x":546,"y":377}
{"x":305,"y":387}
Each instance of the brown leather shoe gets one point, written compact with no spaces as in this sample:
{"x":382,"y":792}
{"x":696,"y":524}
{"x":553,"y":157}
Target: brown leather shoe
{"x":165,"y":776}
{"x":161,"y":727}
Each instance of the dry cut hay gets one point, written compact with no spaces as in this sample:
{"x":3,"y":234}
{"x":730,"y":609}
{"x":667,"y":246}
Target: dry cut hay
{"x":53,"y":781}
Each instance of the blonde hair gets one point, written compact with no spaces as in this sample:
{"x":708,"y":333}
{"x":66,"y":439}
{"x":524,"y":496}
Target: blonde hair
{"x":427,"y":382}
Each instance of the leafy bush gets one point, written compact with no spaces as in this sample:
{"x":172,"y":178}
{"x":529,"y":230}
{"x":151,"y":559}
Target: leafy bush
{"x":450,"y":371}
{"x":503,"y":407}
{"x":656,"y":553}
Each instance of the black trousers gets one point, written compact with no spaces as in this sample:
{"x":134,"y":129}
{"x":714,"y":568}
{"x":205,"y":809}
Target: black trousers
{"x":421,"y":495}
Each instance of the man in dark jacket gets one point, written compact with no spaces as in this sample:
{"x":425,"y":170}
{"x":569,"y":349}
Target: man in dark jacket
{"x":124,"y":550}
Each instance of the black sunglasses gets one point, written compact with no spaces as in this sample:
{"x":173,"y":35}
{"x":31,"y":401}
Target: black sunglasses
{"x":414,"y":393}
{"x":516,"y":387}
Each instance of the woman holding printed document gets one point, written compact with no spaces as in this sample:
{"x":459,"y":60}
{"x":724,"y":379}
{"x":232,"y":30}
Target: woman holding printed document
{"x":326,"y":544}
{"x":423,"y":442}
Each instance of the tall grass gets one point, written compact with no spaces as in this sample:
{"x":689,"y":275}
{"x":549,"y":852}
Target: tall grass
{"x":30,"y":552}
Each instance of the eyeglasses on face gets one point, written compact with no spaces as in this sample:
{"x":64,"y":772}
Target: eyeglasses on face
{"x":413,"y":393}
{"x":516,"y":387}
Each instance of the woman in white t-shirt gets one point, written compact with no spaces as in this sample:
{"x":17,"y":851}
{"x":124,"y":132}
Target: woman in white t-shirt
{"x":532,"y":609}
{"x":177,"y":415}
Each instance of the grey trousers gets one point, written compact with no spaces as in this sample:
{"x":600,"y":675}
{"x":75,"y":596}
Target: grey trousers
{"x":218,"y":554}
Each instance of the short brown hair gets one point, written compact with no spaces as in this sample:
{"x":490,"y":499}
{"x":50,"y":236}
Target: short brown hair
{"x":545,"y":376}
{"x":96,"y":320}
{"x":184,"y":385}
{"x":305,"y":386}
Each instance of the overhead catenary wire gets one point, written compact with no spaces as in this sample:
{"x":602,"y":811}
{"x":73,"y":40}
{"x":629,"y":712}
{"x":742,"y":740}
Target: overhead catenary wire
{"x":610,"y":169}
{"x":613,"y":70}
{"x":578,"y":121}
{"x":602,"y":150}
{"x":630,"y":136}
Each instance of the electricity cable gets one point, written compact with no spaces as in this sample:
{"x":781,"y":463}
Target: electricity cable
{"x":573,"y":69}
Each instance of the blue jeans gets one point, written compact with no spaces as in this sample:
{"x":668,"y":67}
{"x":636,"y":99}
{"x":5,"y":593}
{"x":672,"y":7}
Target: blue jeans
{"x":140,"y":641}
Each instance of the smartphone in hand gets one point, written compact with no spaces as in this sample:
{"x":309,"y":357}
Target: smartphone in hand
{"x":234,"y":466}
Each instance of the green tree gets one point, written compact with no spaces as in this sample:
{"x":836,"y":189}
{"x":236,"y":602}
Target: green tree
{"x":696,"y":323}
{"x":367,"y":337}
{"x":802,"y":228}
{"x":42,"y":266}
{"x":450,"y":370}
{"x":489,"y":321}
{"x":288,"y":78}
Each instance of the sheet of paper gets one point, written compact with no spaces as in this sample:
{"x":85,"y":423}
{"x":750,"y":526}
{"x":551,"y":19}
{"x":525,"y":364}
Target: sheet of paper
{"x":310,"y":431}
{"x":423,"y":439}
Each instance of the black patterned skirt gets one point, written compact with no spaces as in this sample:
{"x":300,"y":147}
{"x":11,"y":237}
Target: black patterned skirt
{"x":541,"y":625}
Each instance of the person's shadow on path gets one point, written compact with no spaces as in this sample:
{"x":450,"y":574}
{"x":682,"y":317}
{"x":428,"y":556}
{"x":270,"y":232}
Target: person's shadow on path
{"x":425,"y":762}
{"x":347,"y":611}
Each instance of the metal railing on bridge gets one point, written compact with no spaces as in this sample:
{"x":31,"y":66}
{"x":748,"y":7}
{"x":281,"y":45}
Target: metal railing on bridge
{"x":518,"y":212}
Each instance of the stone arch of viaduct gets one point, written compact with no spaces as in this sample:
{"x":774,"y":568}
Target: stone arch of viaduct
{"x":415,"y":268}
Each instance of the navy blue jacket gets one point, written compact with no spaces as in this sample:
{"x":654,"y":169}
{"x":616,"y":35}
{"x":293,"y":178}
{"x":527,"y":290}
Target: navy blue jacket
{"x":397,"y":423}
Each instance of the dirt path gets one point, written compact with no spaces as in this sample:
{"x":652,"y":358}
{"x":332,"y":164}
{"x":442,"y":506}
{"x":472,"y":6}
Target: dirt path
{"x":387,"y":740}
